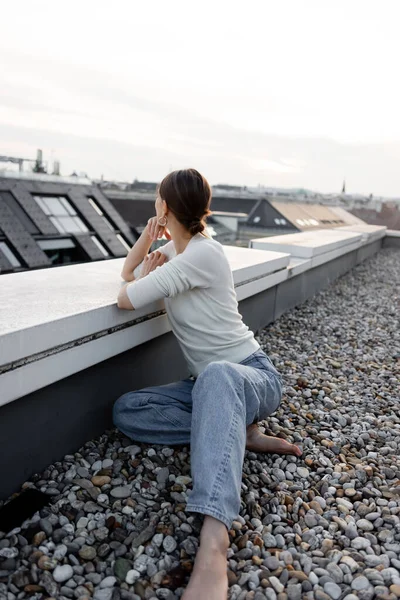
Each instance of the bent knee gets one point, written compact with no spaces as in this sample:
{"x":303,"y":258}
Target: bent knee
{"x":218,"y":368}
{"x":118,"y":409}
{"x":126,"y":405}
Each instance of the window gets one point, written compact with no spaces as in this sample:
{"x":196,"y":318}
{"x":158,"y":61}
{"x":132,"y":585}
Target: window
{"x":280,"y":221}
{"x":300,"y":222}
{"x":9,"y":254}
{"x":57,"y":244}
{"x":109,"y":223}
{"x":61,"y":213}
{"x":100,"y":246}
{"x":256,"y":219}
{"x":100,"y":212}
{"x":123,"y":242}
{"x":313,"y":222}
{"x":62,"y":251}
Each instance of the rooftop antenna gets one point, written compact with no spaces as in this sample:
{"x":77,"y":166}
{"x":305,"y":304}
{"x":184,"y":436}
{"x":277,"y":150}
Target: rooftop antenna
{"x":39,"y":166}
{"x":56,"y":167}
{"x":344,"y":186}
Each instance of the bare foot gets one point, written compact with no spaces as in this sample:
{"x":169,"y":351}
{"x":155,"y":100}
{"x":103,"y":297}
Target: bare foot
{"x":209,"y":580}
{"x":258,"y":442}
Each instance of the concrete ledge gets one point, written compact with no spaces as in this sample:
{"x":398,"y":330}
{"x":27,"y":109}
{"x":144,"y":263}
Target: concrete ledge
{"x":309,"y":244}
{"x":60,"y":321}
{"x":391,"y":239}
{"x":370,"y":233}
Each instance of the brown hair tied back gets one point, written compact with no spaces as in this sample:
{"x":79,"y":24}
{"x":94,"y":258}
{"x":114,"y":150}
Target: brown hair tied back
{"x":188,"y":196}
{"x":196,"y":227}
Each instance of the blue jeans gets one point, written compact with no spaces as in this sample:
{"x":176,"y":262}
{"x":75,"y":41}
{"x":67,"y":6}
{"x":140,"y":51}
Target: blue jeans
{"x":211,"y":414}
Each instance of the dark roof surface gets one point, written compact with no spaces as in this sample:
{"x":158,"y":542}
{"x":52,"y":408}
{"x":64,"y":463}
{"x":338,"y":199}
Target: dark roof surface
{"x":32,"y":212}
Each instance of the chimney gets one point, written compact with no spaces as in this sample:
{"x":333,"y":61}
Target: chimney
{"x":56,"y":167}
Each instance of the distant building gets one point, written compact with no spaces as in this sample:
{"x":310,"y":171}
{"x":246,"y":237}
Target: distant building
{"x":386,"y":213}
{"x":50,"y":220}
{"x":238,"y":214}
{"x":137,"y":206}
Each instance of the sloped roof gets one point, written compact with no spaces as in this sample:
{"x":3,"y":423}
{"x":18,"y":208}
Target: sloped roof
{"x":347,"y":217}
{"x":306,"y":216}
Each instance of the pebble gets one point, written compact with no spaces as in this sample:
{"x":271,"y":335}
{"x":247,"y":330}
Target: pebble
{"x":132,"y":576}
{"x":364,"y":525}
{"x":360,"y":583}
{"x":46,"y":563}
{"x":333,"y":590}
{"x":276,"y":584}
{"x":360,"y":543}
{"x":87,"y":553}
{"x":272,"y":563}
{"x":100,"y":480}
{"x":303,"y":472}
{"x":108,"y":582}
{"x":121,"y":492}
{"x":169,"y":544}
{"x":62,"y":573}
{"x":395,"y":589}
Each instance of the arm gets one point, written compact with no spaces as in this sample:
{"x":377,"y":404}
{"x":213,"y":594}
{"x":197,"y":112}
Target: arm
{"x":192,"y":269}
{"x":123,"y":300}
{"x":136,"y":255}
{"x":150,"y":262}
{"x":152,"y":232}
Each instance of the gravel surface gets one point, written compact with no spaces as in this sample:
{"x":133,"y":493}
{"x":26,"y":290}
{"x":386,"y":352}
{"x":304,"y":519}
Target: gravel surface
{"x":325,"y":526}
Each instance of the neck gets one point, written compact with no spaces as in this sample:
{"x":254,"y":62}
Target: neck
{"x":180,"y":236}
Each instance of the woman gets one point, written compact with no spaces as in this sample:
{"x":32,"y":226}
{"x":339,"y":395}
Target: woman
{"x":233,"y":383}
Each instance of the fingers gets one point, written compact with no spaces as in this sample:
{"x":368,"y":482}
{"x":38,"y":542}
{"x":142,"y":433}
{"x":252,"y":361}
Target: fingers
{"x":158,"y":258}
{"x":152,"y":261}
{"x":152,"y":227}
{"x":155,"y":231}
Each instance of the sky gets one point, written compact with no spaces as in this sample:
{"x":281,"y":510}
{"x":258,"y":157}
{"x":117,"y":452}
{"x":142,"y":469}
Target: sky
{"x":286,"y":93}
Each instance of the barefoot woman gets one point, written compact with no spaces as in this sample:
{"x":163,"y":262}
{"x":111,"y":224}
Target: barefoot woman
{"x":233,"y":384}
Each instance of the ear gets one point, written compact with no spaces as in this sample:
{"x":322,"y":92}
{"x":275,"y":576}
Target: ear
{"x":164,"y":207}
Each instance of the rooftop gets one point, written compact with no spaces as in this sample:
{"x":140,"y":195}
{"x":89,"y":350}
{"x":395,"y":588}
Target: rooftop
{"x":331,"y":515}
{"x":115,"y":526}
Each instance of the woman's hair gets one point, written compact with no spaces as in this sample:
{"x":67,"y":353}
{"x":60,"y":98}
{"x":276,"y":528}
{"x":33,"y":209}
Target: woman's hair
{"x":188,"y":196}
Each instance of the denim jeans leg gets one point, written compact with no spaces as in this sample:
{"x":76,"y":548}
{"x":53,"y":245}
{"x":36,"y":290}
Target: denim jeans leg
{"x":156,"y":415}
{"x":226,"y":398}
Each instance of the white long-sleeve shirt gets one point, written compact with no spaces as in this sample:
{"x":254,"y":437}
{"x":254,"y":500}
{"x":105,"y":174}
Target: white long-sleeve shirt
{"x":200,"y":301}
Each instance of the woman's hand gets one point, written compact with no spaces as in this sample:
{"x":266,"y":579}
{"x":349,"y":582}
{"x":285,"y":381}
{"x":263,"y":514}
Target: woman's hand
{"x":151,"y":262}
{"x":155,"y":231}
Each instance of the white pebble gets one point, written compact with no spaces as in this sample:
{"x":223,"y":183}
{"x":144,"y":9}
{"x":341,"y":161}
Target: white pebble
{"x":62,"y":573}
{"x":132,"y":576}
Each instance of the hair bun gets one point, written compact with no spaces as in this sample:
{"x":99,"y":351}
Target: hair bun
{"x":196,"y":226}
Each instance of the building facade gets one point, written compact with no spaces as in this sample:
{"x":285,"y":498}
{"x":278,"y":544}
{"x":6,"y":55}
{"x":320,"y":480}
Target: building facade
{"x":45,"y":222}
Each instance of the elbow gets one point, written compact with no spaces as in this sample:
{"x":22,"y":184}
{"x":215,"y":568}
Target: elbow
{"x":123,"y":301}
{"x":128,"y":277}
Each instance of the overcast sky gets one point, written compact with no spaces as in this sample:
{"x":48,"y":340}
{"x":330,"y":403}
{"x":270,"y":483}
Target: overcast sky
{"x":293,"y":93}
